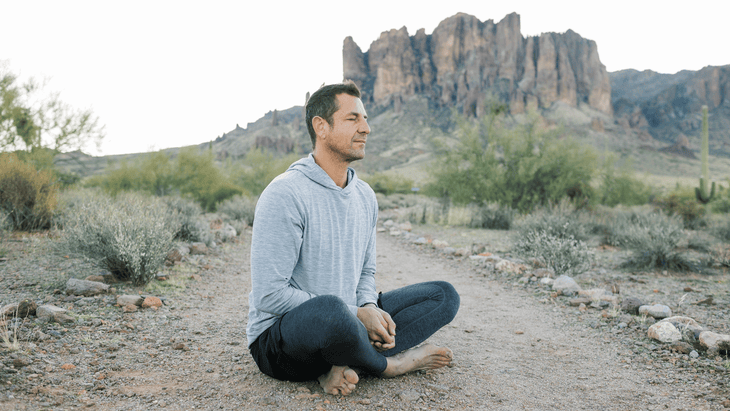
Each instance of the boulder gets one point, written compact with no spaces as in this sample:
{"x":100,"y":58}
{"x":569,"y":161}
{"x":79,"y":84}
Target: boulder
{"x":22,"y":309}
{"x":198,"y":248}
{"x":86,"y":288}
{"x":405,"y":226}
{"x":151,"y":302}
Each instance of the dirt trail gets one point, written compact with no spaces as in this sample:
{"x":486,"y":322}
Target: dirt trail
{"x":511,"y":352}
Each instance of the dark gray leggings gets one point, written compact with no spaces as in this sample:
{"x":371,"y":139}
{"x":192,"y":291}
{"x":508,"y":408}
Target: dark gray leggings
{"x":308,"y":340}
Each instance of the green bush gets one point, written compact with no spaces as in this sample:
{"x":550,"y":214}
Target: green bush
{"x":70,"y":200}
{"x":682,"y":202}
{"x":128,"y":236}
{"x":565,"y":255}
{"x":620,"y":186}
{"x":257,"y":170}
{"x":494,"y":217}
{"x":387,"y":184}
{"x":29,"y":197}
{"x":720,"y":229}
{"x":239,"y":208}
{"x":521,"y":168}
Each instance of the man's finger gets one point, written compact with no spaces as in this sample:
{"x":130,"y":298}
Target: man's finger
{"x":390,"y":323}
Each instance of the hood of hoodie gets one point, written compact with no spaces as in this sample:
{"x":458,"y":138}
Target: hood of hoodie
{"x":314,"y":172}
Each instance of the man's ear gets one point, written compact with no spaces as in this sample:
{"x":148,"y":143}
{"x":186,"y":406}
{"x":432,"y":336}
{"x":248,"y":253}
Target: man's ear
{"x":320,"y":126}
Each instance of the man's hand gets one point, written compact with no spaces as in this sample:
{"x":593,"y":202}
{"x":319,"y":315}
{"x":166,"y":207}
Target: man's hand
{"x":380,"y":327}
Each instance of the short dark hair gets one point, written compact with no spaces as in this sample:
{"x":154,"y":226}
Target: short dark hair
{"x":323,"y":103}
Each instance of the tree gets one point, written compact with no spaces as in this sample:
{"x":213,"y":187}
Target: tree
{"x":31,"y":119}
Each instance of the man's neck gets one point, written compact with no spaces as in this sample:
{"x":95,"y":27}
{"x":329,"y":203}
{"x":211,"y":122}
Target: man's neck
{"x":336,"y":169}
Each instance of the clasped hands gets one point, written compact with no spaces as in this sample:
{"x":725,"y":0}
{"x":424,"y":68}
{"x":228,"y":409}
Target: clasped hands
{"x":379,"y":325}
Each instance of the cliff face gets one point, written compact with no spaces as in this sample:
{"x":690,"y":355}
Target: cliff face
{"x":465,"y":58}
{"x":668,"y":105}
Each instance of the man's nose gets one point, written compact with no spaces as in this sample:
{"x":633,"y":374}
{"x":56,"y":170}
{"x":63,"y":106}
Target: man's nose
{"x":364,"y":127}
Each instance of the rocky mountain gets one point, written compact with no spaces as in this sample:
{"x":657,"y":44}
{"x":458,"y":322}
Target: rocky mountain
{"x":667,"y":106}
{"x":464,"y":58}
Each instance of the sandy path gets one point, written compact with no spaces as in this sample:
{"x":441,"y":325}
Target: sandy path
{"x":511,"y":352}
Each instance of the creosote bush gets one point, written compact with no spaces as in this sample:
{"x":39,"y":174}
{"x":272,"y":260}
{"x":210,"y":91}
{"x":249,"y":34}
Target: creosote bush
{"x":561,"y":220}
{"x":29,"y":197}
{"x":683,"y":203}
{"x":128,"y":236}
{"x":565,"y":255}
{"x":653,"y":238}
{"x":185,"y":219}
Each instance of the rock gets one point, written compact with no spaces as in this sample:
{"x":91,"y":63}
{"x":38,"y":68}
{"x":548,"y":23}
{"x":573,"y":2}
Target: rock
{"x":388,"y":223}
{"x":440,"y":244}
{"x":405,"y":226}
{"x":420,"y":241}
{"x":51,"y":313}
{"x":566,"y":286}
{"x":86,"y":288}
{"x":664,"y":332}
{"x":462,"y":252}
{"x":152,"y":302}
{"x":129,"y":308}
{"x":713,"y":342}
{"x":575,"y":302}
{"x":198,"y":248}
{"x":631,"y":305}
{"x":464,"y":55}
{"x":547,"y":281}
{"x":543,"y":273}
{"x":449,"y":250}
{"x":22,"y":309}
{"x":409,"y":395}
{"x":123,"y":300}
{"x":22,"y":362}
{"x":694,"y":354}
{"x":657,"y":311}
{"x":394,"y":233}
{"x":174,"y":256}
{"x":594,"y":294}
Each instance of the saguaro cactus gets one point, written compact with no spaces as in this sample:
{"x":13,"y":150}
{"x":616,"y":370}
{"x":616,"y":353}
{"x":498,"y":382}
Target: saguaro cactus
{"x":701,"y":192}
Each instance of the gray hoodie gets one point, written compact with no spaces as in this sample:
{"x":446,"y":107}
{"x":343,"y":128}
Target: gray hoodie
{"x":311,"y":238}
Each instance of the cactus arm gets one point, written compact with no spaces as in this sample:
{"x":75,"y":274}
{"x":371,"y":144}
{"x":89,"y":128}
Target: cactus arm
{"x":702,"y":192}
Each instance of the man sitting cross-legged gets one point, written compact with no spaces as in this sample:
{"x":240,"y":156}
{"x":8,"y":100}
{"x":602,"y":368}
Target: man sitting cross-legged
{"x":313,"y":309}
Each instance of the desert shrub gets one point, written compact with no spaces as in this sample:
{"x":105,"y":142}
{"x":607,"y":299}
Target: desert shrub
{"x":426,"y":211}
{"x":565,"y":255}
{"x":184,"y":218}
{"x":561,"y":220}
{"x":521,"y":168}
{"x":387,"y":184}
{"x":399,"y":200}
{"x":4,"y":229}
{"x":29,"y":197}
{"x":129,"y":236}
{"x":653,"y":238}
{"x":720,"y":228}
{"x":683,"y":203}
{"x":239,"y":208}
{"x":492,"y":216}
{"x":69,"y":201}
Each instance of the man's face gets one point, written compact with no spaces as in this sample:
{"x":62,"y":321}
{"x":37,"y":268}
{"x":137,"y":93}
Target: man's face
{"x":349,"y":130}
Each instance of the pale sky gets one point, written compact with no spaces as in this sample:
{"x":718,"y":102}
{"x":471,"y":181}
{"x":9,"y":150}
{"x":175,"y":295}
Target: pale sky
{"x":162,"y":74}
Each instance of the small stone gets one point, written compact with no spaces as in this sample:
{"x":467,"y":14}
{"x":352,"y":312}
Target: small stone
{"x":21,"y":362}
{"x":582,"y":308}
{"x":388,"y":223}
{"x":123,"y":300}
{"x":631,"y":305}
{"x":519,"y":332}
{"x":22,"y":309}
{"x":440,"y":244}
{"x":75,"y":286}
{"x":51,"y":313}
{"x":394,"y":233}
{"x":130,"y":308}
{"x":657,"y":311}
{"x":364,"y":401}
{"x":543,"y":272}
{"x":152,"y":302}
{"x":180,"y":347}
{"x":593,"y":294}
{"x":575,"y":302}
{"x":566,"y":285}
{"x":196,"y":277}
{"x":694,"y":354}
{"x":462,"y":252}
{"x":681,"y":347}
{"x":420,"y":241}
{"x":664,"y":332}
{"x":304,"y":389}
{"x":68,"y":367}
{"x":510,"y":267}
{"x":713,"y":341}
{"x":547,"y":281}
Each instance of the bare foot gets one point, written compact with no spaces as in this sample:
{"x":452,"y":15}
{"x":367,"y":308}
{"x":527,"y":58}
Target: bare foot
{"x":425,"y":357}
{"x":339,"y":380}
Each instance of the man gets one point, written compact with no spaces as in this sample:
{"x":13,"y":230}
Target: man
{"x":314,"y":311}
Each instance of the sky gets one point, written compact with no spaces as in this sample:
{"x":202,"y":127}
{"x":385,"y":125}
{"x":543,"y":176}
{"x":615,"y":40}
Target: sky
{"x":163,"y":74}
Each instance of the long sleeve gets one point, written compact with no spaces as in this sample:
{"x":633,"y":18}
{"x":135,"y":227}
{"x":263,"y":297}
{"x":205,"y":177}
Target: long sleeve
{"x":366,"y":292}
{"x":275,"y":247}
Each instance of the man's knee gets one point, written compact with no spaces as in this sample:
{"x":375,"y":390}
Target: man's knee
{"x":452,"y":301}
